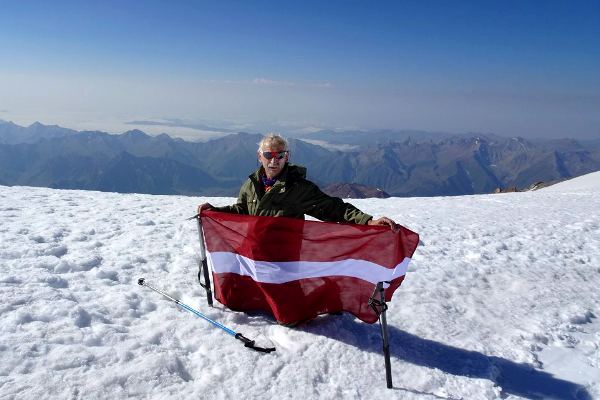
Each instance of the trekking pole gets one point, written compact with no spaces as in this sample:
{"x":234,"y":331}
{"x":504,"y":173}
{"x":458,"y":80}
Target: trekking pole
{"x":386,"y":341}
{"x":380,"y":307}
{"x":203,"y":267}
{"x":247,"y":342}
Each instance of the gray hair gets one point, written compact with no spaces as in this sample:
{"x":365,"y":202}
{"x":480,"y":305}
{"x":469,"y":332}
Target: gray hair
{"x":272,"y":139}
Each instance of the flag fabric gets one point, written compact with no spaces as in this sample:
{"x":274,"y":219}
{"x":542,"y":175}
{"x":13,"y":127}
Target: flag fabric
{"x":296,"y":269}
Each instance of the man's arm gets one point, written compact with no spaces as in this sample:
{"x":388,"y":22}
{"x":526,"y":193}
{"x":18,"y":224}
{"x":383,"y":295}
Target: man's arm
{"x":327,"y":208}
{"x":334,"y":209}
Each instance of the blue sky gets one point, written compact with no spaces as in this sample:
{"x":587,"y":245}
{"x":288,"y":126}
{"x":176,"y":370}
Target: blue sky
{"x":515,"y":68}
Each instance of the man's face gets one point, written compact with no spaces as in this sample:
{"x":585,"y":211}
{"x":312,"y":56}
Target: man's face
{"x":274,"y":165}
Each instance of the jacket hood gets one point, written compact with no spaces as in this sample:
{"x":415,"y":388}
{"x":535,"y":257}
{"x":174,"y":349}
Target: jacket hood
{"x":295,"y":171}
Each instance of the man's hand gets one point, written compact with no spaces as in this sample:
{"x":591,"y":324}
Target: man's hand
{"x":385,"y":221}
{"x":205,"y":206}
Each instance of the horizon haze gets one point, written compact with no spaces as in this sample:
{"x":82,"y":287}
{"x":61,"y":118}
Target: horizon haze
{"x":201,"y":69}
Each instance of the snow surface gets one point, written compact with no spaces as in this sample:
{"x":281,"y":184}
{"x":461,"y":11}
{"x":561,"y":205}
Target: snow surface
{"x":584,"y":183}
{"x":501,"y":301}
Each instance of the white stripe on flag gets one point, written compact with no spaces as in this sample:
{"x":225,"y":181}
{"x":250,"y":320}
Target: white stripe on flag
{"x":287,"y":271}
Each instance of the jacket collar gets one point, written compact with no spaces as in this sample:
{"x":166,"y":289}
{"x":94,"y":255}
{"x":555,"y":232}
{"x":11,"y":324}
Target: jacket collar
{"x":290,"y":173}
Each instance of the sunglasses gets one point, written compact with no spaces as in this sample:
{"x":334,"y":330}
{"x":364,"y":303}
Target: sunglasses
{"x":277,"y":154}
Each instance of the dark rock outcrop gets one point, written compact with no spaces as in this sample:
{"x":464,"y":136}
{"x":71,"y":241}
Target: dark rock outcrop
{"x":354,"y":191}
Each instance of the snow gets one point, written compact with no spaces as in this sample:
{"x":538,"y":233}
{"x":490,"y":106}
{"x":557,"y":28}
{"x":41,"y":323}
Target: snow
{"x":584,"y":183}
{"x":501,"y":300}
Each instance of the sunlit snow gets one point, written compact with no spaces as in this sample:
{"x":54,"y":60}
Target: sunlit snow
{"x":501,"y":300}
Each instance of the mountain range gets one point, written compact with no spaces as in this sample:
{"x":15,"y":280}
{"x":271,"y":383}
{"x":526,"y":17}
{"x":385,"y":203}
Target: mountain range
{"x":401,"y":163}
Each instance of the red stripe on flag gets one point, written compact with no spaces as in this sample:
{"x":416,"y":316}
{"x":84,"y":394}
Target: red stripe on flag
{"x":292,"y":239}
{"x":299,"y":300}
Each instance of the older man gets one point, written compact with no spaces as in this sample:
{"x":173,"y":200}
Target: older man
{"x":280,"y":189}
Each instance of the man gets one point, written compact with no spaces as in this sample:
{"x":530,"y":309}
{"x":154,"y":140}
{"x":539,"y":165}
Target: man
{"x":280,"y":189}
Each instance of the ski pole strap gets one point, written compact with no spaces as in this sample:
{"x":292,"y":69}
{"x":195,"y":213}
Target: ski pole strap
{"x":251,"y":344}
{"x":377,"y":305}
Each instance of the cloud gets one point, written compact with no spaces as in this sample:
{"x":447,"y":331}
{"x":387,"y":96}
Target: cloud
{"x":321,"y":85}
{"x":272,"y":82}
{"x":178,"y":123}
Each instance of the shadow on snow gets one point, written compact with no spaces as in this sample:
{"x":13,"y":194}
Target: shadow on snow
{"x":514,"y":378}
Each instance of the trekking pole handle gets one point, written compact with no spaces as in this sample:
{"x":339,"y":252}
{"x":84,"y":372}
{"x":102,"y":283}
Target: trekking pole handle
{"x":201,"y":234}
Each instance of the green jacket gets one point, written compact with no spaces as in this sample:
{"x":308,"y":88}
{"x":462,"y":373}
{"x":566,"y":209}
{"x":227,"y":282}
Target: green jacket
{"x":293,"y":196}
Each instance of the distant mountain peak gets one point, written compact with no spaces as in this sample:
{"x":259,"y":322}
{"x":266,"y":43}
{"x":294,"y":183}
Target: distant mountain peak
{"x":39,"y":125}
{"x":135,"y":133}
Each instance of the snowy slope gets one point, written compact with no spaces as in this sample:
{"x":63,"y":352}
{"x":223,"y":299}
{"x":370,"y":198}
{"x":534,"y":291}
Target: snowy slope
{"x":584,"y":183}
{"x":501,"y":301}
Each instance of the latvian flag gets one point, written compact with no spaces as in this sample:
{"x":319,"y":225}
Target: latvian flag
{"x":296,"y":269}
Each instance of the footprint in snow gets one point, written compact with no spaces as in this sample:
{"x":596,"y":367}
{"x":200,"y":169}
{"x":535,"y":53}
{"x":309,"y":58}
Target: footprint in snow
{"x":147,"y":223}
{"x":56,"y":282}
{"x":87,"y":265}
{"x":37,"y":239}
{"x":108,"y":274}
{"x":57,"y":251}
{"x":81,"y":318}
